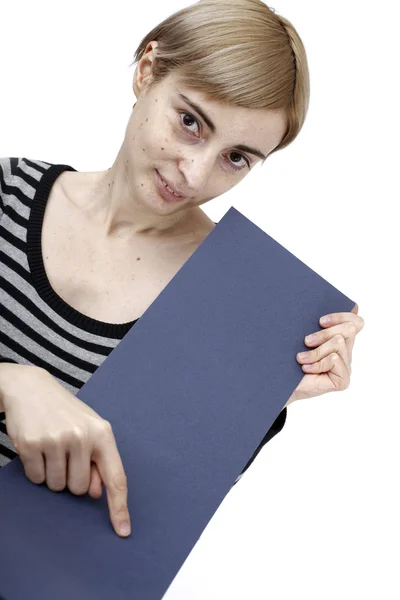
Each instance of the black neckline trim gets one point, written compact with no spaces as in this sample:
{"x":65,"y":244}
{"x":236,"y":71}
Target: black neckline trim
{"x":39,"y":276}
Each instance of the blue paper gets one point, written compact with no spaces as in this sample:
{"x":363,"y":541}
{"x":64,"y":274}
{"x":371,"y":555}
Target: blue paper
{"x":190,"y":392}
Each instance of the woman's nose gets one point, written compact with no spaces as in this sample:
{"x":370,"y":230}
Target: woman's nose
{"x":196,"y":168}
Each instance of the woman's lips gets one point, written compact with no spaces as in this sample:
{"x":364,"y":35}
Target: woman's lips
{"x":164,"y":191}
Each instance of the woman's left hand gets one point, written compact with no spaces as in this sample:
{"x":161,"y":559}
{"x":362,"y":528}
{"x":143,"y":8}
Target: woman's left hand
{"x":329,"y":364}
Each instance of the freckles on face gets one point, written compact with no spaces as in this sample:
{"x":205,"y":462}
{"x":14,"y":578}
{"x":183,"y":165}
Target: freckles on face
{"x":153,"y":133}
{"x":161,"y":141}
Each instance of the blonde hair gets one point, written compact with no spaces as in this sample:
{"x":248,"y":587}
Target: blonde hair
{"x":237,"y":51}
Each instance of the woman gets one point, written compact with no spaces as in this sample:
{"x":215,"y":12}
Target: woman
{"x":220,"y":86}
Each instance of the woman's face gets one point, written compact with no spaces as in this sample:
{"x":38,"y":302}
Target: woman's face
{"x":200,"y":147}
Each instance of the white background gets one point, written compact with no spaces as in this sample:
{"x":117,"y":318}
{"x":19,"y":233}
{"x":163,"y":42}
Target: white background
{"x":317,"y":514}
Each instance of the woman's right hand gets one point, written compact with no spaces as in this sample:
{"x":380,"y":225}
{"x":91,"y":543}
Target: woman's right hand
{"x":61,"y":440}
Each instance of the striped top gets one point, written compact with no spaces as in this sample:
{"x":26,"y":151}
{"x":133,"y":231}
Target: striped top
{"x":36,"y":326}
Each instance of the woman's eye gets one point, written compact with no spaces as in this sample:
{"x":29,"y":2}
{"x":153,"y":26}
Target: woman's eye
{"x":189,"y":122}
{"x":235,"y":159}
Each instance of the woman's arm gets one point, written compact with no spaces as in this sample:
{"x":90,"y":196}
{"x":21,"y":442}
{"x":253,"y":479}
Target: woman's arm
{"x":3,"y":373}
{"x":7,"y":372}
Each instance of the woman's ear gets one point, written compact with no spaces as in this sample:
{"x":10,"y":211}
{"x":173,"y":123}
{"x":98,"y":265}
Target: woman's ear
{"x":144,"y":69}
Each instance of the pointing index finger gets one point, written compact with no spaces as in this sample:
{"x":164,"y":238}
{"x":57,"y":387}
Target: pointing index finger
{"x":112,"y":472}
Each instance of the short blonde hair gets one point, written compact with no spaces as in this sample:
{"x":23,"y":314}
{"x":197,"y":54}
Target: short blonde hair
{"x":237,"y":51}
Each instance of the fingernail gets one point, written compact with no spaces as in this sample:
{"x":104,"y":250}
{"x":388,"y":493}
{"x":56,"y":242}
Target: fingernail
{"x":325,"y":320}
{"x":125,"y":529}
{"x":310,"y":339}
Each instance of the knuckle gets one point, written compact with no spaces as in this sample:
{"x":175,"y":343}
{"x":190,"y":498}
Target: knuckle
{"x":79,"y":480}
{"x":56,"y":481}
{"x":121,"y":512}
{"x":53,"y":439}
{"x":338,"y":339}
{"x":335,"y":357}
{"x":78,"y":489}
{"x":79,"y":435}
{"x":344,"y":384}
{"x":28,"y":444}
{"x":352,"y":329}
{"x":120,"y":482}
{"x":38,"y":479}
{"x":104,"y":427}
{"x":34,"y":476}
{"x":56,"y":486}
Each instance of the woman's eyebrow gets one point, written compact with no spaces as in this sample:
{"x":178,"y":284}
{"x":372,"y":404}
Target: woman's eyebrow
{"x":201,"y":112}
{"x":254,"y":151}
{"x":211,"y":125}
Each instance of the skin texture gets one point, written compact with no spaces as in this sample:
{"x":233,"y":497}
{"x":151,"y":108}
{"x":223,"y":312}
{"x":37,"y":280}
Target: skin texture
{"x":198,"y":162}
{"x":166,"y":134}
{"x":328,"y":364}
{"x":123,"y":205}
{"x":47,"y":424}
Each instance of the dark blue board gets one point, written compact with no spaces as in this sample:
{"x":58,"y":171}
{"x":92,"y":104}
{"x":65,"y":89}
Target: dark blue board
{"x":190,"y":392}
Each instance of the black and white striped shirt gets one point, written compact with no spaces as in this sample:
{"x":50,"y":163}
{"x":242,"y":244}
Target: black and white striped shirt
{"x":36,"y":326}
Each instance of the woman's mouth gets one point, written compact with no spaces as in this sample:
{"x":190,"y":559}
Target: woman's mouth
{"x":166,"y":191}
